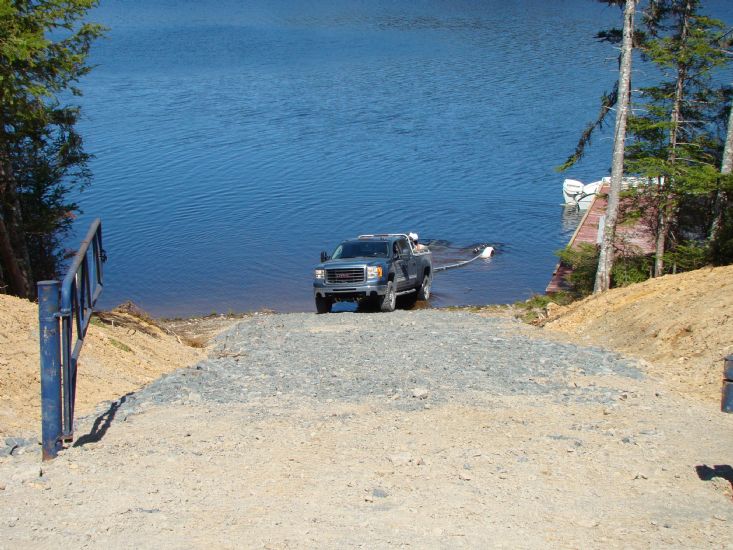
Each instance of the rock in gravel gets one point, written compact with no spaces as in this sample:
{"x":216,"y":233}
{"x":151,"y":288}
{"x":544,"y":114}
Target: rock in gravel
{"x":16,"y":445}
{"x":420,"y":393}
{"x":400,"y":459}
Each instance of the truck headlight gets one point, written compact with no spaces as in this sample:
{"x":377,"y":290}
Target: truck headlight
{"x":320,"y":273}
{"x":374,"y":272}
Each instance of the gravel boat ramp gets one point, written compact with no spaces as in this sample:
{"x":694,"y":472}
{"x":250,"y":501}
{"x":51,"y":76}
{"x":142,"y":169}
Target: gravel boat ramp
{"x":426,"y":429}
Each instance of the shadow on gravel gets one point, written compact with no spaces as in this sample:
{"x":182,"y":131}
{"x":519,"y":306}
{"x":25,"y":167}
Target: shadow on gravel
{"x":706,"y":473}
{"x":407,"y":302}
{"x":102,"y":423}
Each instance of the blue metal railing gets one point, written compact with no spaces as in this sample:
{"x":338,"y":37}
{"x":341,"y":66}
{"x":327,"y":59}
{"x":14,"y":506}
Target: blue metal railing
{"x":71,"y":303}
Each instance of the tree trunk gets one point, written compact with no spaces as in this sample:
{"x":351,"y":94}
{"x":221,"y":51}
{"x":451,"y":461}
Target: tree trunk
{"x":662,"y":224}
{"x":679,"y":90}
{"x":16,"y":283}
{"x":665,"y":211}
{"x":605,"y":259}
{"x":13,"y":250}
{"x":726,"y":167}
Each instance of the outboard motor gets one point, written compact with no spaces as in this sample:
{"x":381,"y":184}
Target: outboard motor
{"x":726,"y":404}
{"x":571,"y":190}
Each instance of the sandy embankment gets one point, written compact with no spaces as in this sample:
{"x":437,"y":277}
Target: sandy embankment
{"x":681,"y":325}
{"x":117,"y":358}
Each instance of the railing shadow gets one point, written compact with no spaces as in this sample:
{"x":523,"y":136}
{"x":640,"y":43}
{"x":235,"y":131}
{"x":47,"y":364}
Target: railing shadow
{"x":102,"y":423}
{"x":724,"y":471}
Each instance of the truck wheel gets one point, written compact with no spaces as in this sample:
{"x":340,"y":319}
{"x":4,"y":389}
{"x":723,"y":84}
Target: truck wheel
{"x":389,"y":300}
{"x":323,"y":305}
{"x":423,"y":293}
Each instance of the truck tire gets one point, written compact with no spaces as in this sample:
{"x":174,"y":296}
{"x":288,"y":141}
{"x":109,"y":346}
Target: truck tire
{"x":389,"y":300}
{"x":323,"y":305}
{"x":423,"y":293}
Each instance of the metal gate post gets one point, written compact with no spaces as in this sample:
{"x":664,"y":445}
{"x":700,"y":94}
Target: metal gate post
{"x":50,"y":341}
{"x":726,"y":404}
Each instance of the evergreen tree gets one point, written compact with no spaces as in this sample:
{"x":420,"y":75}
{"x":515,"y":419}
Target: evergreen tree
{"x":44,"y":46}
{"x":673,"y":131}
{"x":721,"y":233}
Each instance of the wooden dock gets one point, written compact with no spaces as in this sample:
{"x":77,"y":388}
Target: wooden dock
{"x":635,"y":238}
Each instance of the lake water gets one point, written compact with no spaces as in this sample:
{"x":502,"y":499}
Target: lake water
{"x":236,"y":140}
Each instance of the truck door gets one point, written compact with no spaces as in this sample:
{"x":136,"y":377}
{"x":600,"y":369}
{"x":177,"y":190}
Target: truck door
{"x":399,"y":266}
{"x":409,"y":262}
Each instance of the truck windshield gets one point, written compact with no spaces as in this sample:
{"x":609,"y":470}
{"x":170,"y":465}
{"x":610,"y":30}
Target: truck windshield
{"x":360,"y":249}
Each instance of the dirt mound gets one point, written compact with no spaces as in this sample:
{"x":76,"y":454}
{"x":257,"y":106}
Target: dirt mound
{"x":681,"y":324}
{"x":124,"y":350}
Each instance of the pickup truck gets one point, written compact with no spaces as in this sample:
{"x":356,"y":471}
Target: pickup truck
{"x":375,"y":268}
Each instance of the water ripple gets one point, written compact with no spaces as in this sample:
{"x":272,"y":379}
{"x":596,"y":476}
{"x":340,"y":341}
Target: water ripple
{"x":236,"y":140}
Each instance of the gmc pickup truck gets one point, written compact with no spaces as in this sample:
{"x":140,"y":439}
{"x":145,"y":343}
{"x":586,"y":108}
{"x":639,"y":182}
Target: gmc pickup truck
{"x":376,"y":268}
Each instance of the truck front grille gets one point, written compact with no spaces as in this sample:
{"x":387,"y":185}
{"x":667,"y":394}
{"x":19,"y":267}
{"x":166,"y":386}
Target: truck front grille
{"x":345,"y":275}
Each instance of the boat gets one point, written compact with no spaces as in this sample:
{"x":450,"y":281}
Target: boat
{"x":579,"y":194}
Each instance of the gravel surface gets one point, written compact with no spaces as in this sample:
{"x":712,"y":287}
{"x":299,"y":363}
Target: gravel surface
{"x":427,"y":429}
{"x":449,"y":356}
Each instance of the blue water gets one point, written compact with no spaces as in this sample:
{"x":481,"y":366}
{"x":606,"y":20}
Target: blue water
{"x":236,"y":140}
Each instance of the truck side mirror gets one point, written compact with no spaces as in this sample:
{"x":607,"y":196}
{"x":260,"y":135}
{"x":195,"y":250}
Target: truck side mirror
{"x":324,"y":256}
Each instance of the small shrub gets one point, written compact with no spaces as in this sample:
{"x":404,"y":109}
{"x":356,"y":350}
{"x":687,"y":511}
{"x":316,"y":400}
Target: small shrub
{"x":628,"y":270}
{"x":584,"y":262}
{"x":541,"y":300}
{"x":688,"y":256}
{"x":535,"y":307}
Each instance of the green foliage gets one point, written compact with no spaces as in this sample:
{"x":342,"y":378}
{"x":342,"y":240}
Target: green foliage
{"x":675,"y":135}
{"x":608,"y":101}
{"x":48,"y":166}
{"x":630,"y":269}
{"x":44,"y":46}
{"x":96,"y":321}
{"x":676,"y":132}
{"x":688,"y":256}
{"x":120,"y":345}
{"x":721,"y":248}
{"x":35,"y":68}
{"x":584,"y":261}
{"x":696,"y":50}
{"x":627,"y":268}
{"x":535,"y":307}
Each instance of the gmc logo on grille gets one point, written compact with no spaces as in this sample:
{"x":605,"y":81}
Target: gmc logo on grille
{"x":342,"y":275}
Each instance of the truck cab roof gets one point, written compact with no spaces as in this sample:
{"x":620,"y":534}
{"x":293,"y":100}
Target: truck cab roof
{"x":383,"y":236}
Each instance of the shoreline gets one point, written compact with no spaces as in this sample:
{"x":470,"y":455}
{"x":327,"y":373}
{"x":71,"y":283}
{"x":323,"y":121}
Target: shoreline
{"x":676,"y":326}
